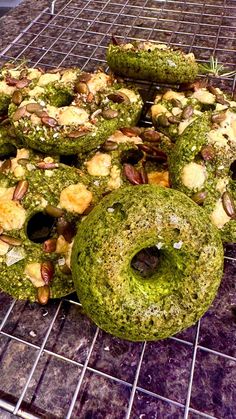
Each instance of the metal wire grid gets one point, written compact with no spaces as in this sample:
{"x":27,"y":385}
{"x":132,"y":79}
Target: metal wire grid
{"x":76,"y":33}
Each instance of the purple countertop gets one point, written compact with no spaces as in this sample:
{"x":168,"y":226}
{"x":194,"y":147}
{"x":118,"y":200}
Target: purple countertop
{"x":196,"y":368}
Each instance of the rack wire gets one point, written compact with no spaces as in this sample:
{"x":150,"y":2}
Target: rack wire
{"x":76,"y":33}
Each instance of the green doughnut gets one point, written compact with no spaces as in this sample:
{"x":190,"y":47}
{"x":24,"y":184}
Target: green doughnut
{"x":116,"y":297}
{"x":174,"y":110}
{"x":57,"y":195}
{"x":100,"y":106}
{"x":151,"y":61}
{"x":201,"y":167}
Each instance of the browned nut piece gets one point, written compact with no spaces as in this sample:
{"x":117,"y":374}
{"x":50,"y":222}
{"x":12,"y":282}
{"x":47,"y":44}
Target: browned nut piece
{"x":12,"y":241}
{"x":208,"y":152}
{"x":20,"y":190}
{"x":228,"y":204}
{"x":43,"y":294}
{"x":49,"y":246}
{"x":199,"y":197}
{"x":132,"y":174}
{"x":109,"y":146}
{"x":54,"y":211}
{"x":49,"y":122}
{"x":187,"y":112}
{"x":110,"y":113}
{"x":17,"y":97}
{"x":20,"y":112}
{"x":47,"y":271}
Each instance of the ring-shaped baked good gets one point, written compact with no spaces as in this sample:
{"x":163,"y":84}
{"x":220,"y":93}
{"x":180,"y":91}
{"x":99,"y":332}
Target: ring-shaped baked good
{"x":152,"y":61}
{"x":100,"y":105}
{"x":179,"y":291}
{"x":41,"y":201}
{"x":202,"y":165}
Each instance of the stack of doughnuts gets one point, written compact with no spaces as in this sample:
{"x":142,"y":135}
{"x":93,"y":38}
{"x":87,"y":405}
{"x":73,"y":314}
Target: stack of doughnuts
{"x":85,"y":192}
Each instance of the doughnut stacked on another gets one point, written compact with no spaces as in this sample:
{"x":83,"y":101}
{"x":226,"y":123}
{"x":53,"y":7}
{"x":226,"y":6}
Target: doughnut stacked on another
{"x":41,"y":202}
{"x":146,"y":60}
{"x":69,"y":111}
{"x":201,"y":120}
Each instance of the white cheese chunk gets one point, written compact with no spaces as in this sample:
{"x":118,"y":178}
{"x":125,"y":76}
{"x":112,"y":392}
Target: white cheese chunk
{"x":33,"y":73}
{"x":33,"y":272}
{"x":119,"y":138}
{"x":36,"y":91}
{"x":14,"y":73}
{"x":193,"y":175}
{"x":204,"y":96}
{"x":219,"y":216}
{"x":75,"y":198}
{"x":159,"y":109}
{"x":99,"y":164}
{"x":4,"y":88}
{"x":62,"y":245}
{"x":98,"y":81}
{"x":12,"y":214}
{"x":6,"y":193}
{"x":71,"y":115}
{"x":170,"y":94}
{"x":221,"y":185}
{"x":115,"y":181}
{"x":52,"y":111}
{"x":48,"y":78}
{"x":69,"y":76}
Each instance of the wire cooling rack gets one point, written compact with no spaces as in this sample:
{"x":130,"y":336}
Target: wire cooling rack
{"x":54,"y":363}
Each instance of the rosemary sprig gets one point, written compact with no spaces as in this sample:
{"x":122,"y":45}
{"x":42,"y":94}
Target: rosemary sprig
{"x":215,"y":69}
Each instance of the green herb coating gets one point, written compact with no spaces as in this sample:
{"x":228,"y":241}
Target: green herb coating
{"x":156,"y":65}
{"x":115,"y":296}
{"x":187,"y":150}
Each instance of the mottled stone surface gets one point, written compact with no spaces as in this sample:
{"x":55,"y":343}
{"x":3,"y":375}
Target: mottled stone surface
{"x":115,"y":357}
{"x":188,"y":334}
{"x":148,"y":407}
{"x":6,"y":415}
{"x":165,"y":369}
{"x":72,"y":333}
{"x":16,"y":361}
{"x":218,"y":326}
{"x":30,"y":322}
{"x":5,"y":302}
{"x":214,"y":385}
{"x":51,"y":388}
{"x":17,"y":19}
{"x":101,"y":398}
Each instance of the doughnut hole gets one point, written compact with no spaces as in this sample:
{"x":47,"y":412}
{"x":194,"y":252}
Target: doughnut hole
{"x":233,"y":170}
{"x":131,"y":156}
{"x":7,"y":150}
{"x":40,"y":227}
{"x":146,"y":261}
{"x":58,"y":97}
{"x":69,"y":160}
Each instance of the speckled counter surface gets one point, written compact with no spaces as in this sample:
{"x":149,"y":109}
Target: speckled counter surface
{"x":18,"y":18}
{"x":156,"y":381}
